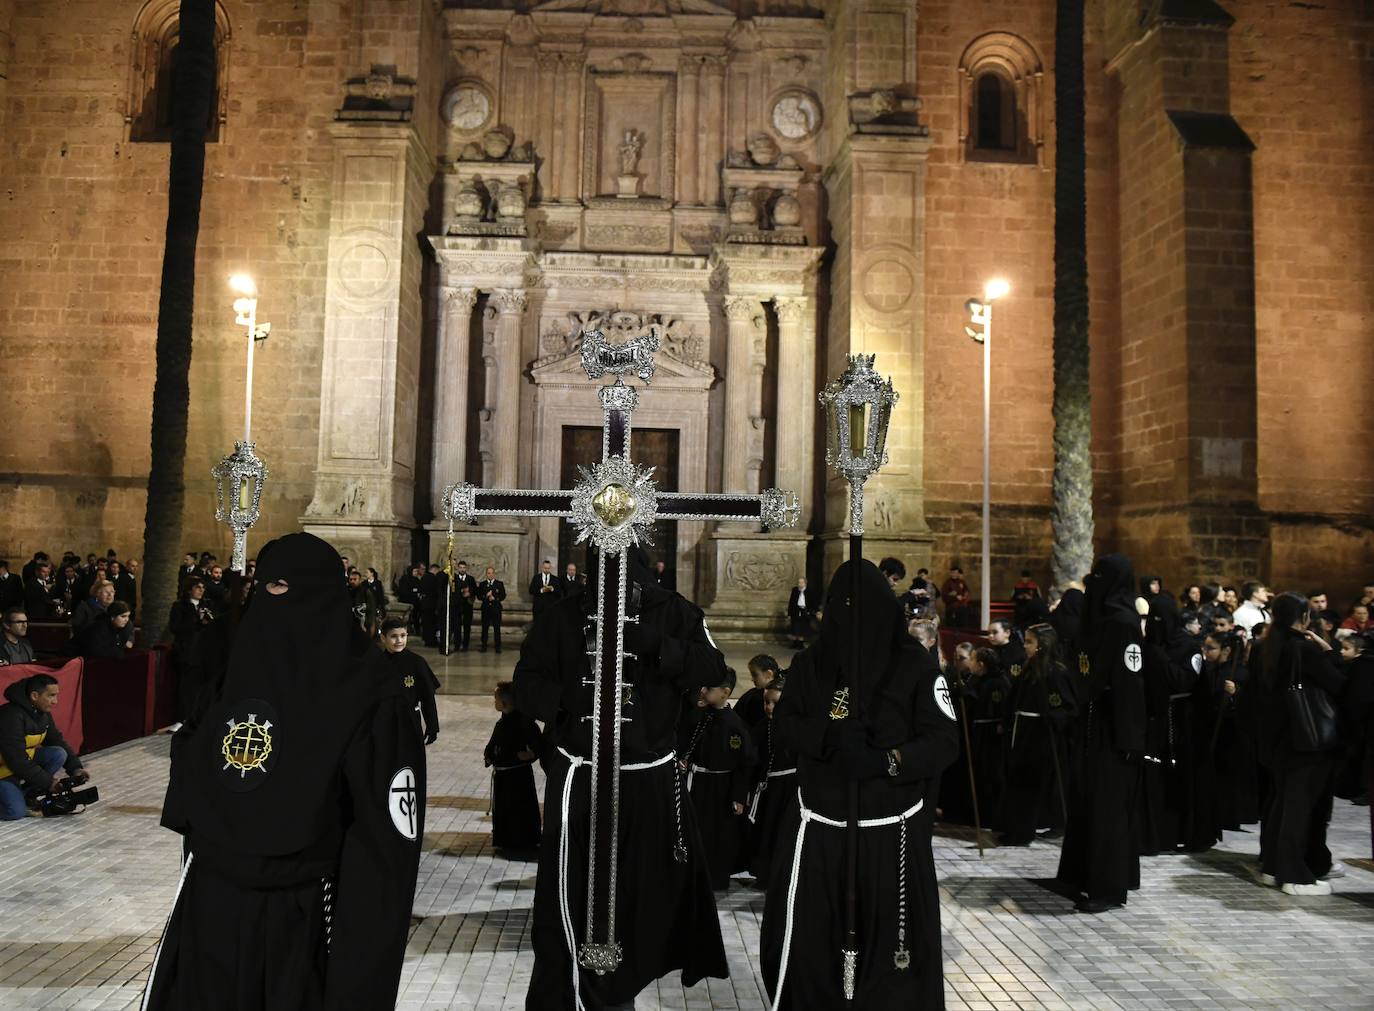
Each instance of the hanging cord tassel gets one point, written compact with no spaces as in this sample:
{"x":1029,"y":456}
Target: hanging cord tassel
{"x":901,"y":958}
{"x":328,"y":913}
{"x":680,"y":846}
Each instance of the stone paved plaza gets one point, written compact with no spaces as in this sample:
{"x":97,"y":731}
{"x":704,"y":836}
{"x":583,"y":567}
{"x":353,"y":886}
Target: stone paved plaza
{"x":84,"y":900}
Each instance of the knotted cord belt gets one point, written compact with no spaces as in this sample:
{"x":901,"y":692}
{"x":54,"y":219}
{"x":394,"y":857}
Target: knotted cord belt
{"x":902,"y":957}
{"x":576,"y":762}
{"x":758,"y":794}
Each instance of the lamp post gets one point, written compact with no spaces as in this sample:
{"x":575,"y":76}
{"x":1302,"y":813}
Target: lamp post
{"x":980,"y":315}
{"x":858,"y":407}
{"x":239,"y":477}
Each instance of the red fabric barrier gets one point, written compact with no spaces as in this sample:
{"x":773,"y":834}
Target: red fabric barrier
{"x":70,"y":677}
{"x":128,"y":698}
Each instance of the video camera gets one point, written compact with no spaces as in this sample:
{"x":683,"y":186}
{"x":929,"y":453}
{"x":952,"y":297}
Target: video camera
{"x":66,"y":797}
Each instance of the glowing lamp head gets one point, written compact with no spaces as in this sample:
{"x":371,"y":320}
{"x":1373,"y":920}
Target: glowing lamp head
{"x":995,"y":289}
{"x":243,"y":285}
{"x":858,"y":407}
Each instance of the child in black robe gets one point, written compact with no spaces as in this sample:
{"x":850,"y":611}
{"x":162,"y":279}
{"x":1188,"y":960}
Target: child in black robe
{"x":719,"y":761}
{"x":775,"y":795}
{"x":762,"y":670}
{"x":510,"y":754}
{"x":986,"y":696}
{"x":417,"y":678}
{"x":1038,"y":712}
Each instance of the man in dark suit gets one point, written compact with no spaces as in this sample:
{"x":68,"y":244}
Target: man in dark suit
{"x":464,"y":596}
{"x":490,"y":592}
{"x":571,"y":584}
{"x":800,"y":606}
{"x":664,"y":576}
{"x":545,"y":589}
{"x":11,"y":589}
{"x":408,"y":591}
{"x":432,"y":587}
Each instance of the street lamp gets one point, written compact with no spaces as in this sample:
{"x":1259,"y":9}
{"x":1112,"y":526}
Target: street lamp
{"x":239,"y":477}
{"x":980,"y":315}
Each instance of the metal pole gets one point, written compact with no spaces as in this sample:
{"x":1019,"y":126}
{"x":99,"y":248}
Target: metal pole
{"x":985,"y":617}
{"x":851,"y":847}
{"x":248,"y":387}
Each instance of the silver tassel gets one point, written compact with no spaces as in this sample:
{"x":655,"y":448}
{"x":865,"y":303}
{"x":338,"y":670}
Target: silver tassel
{"x":851,"y":964}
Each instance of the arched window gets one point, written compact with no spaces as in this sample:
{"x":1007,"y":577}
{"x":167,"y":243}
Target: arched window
{"x":1000,"y":80}
{"x":152,"y":72}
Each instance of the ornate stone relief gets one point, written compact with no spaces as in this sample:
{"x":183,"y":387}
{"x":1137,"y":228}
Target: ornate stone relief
{"x":467,"y":106}
{"x":795,"y":115}
{"x":758,"y":572}
{"x":677,"y":337}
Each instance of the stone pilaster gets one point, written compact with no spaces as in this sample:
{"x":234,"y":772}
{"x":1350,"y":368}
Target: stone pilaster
{"x":796,"y":429}
{"x":451,"y":389}
{"x":505,"y":408}
{"x":712,"y":113}
{"x":688,"y":78}
{"x":743,"y":454}
{"x":365,"y":471}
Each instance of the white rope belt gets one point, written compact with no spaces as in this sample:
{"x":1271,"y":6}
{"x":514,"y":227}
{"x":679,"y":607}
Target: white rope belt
{"x":807,"y":817}
{"x":692,"y":770}
{"x":577,"y":762}
{"x":1016,"y":723}
{"x":758,"y":794}
{"x":157,"y":956}
{"x":987,"y":719}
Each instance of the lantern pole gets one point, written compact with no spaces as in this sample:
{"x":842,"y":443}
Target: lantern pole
{"x":239,"y":477}
{"x":980,"y":312}
{"x":858,"y":406}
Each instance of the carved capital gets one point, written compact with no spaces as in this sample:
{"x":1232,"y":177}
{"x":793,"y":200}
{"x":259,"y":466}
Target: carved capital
{"x":548,"y":61}
{"x":458,"y":301}
{"x":689,"y":66}
{"x":740,"y":309}
{"x":790,"y":310}
{"x":509,"y":301}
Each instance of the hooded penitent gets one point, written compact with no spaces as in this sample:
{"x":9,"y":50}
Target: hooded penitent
{"x":300,"y":663}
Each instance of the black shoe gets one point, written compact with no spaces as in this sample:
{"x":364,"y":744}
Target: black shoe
{"x":1095,"y":906}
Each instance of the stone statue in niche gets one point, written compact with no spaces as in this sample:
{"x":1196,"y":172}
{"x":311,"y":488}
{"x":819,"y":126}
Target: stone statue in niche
{"x":628,"y":181}
{"x":763,"y":149}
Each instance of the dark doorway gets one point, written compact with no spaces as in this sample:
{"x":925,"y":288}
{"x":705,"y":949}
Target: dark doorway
{"x":649,"y":447}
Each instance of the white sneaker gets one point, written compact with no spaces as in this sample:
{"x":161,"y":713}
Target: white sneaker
{"x":174,"y":728}
{"x":1267,"y":880}
{"x":1337,"y":871}
{"x":1315,"y":888}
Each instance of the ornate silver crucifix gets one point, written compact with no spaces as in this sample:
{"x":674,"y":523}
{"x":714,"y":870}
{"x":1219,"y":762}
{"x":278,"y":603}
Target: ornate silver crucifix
{"x":614,"y":506}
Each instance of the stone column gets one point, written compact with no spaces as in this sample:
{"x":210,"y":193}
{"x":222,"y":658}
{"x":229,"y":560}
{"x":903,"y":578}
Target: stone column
{"x":546,"y":129}
{"x":570,"y":126}
{"x":451,"y":390}
{"x":743,"y":394}
{"x":712,"y":113}
{"x":796,"y":400}
{"x":505,"y":419}
{"x":689,"y":74}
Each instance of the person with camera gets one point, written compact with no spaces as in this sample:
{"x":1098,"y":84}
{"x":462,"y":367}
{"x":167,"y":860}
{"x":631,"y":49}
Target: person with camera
{"x":34,"y":757}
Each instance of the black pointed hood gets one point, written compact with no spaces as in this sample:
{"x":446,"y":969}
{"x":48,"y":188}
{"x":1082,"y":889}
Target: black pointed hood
{"x":1109,"y":595}
{"x":881,"y":629}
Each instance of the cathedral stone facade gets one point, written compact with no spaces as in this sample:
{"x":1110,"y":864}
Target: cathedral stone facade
{"x":436,"y":198}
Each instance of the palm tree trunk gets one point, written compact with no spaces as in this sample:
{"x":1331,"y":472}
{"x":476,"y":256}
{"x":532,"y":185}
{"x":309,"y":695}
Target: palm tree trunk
{"x":194,"y":88}
{"x":1073,"y":469}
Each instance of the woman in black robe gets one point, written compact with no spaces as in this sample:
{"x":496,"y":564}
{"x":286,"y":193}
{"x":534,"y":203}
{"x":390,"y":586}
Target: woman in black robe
{"x":891,"y":752}
{"x":664,"y":906}
{"x":1293,"y":851}
{"x":511,"y":752}
{"x":1172,"y":665}
{"x":300,"y":795}
{"x":1040,"y":707}
{"x":1099,"y":861}
{"x":985,"y":698}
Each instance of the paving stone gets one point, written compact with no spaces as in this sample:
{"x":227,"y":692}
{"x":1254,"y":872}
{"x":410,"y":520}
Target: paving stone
{"x":85,"y":899}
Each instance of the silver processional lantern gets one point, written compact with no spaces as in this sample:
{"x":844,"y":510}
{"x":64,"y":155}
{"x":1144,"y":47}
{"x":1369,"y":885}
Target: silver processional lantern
{"x":858,"y":406}
{"x":240,"y":476}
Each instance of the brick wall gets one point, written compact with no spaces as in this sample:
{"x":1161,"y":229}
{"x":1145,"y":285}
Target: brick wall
{"x":986,"y":220}
{"x":1300,"y":81}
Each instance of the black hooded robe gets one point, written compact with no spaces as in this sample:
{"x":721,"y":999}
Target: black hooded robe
{"x":1099,"y":857}
{"x":775,"y":798}
{"x":514,"y":801}
{"x":720,"y":767}
{"x":985,"y":700}
{"x":907,"y":707}
{"x":419,"y":684}
{"x":1039,"y":707}
{"x":300,"y":795}
{"x":665,"y":910}
{"x":1172,"y":665}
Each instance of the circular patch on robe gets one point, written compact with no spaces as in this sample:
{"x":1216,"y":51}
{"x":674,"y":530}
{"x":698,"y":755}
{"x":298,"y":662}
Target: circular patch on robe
{"x":1134,"y":658}
{"x":403,"y":804}
{"x":942,"y":697}
{"x":1197,"y":663}
{"x":251,"y":745}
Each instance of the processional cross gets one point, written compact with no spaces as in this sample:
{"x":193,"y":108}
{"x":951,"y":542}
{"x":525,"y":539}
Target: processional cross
{"x":613,"y":506}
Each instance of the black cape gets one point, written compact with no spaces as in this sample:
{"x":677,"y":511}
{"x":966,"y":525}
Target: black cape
{"x":514,"y":803}
{"x":905,"y":706}
{"x":418,"y":683}
{"x":1099,"y":857}
{"x":301,"y":798}
{"x":721,"y":770}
